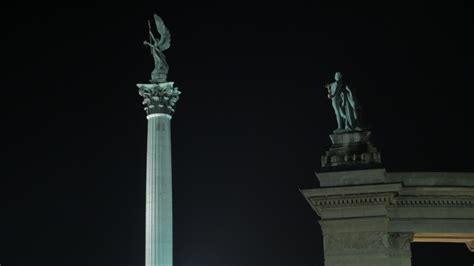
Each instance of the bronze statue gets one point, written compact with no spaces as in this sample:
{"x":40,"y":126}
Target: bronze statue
{"x":344,"y":104}
{"x":157,"y":46}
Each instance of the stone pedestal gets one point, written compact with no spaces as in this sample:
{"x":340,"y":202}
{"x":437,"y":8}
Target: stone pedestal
{"x":370,"y":217}
{"x":159,"y":101}
{"x":351,"y":150}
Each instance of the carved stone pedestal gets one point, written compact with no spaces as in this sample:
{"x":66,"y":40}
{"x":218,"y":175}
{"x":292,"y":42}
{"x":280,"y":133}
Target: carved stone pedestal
{"x":351,"y":150}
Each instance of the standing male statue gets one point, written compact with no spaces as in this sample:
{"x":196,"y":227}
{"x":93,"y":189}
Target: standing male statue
{"x":344,"y":104}
{"x":157,"y":46}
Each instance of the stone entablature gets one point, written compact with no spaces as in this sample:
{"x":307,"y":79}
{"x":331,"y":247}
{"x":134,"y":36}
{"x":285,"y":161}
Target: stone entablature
{"x":369,"y":217}
{"x":391,"y":196}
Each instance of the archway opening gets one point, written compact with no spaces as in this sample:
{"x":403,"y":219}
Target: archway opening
{"x":441,"y":254}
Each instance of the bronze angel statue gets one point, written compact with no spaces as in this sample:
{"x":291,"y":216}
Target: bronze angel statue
{"x":157,"y":46}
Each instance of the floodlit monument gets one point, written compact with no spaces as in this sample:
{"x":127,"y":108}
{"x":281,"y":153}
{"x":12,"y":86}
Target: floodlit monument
{"x":159,"y":99}
{"x":369,"y":216}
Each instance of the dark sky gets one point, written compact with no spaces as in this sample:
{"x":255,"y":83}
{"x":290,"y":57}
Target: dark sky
{"x":248,"y":132}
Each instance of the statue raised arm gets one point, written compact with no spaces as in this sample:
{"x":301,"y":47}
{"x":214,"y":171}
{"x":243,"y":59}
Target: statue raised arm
{"x":157,"y":46}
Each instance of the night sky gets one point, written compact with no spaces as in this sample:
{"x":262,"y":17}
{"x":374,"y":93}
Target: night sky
{"x":248,"y":130}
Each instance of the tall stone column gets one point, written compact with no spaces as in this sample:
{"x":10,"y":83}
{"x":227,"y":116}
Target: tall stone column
{"x":159,"y":100}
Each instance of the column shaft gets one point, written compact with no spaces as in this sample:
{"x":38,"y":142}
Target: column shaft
{"x":159,"y":209}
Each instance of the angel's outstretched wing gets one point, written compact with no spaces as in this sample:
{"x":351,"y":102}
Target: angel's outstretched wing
{"x":165,"y":36}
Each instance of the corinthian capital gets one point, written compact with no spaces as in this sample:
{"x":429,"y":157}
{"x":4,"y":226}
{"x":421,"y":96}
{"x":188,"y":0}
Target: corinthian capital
{"x":159,"y":98}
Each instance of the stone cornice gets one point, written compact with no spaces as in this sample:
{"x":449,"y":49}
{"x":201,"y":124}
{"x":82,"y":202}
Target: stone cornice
{"x":389,"y":199}
{"x":357,"y":203}
{"x":380,"y":198}
{"x":357,"y":197}
{"x":435,"y":201}
{"x":353,"y":200}
{"x":350,"y":190}
{"x":353,"y":177}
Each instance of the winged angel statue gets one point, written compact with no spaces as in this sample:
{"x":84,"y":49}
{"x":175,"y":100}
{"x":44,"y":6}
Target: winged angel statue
{"x":157,"y":46}
{"x":160,"y":96}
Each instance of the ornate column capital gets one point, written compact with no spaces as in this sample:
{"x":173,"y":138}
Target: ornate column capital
{"x":159,"y":98}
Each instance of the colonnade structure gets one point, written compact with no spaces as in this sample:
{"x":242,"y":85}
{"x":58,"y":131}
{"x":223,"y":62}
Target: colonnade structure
{"x":369,"y":216}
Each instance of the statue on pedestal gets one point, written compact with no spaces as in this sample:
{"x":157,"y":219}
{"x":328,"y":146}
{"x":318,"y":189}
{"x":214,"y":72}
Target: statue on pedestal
{"x":161,"y":95}
{"x":344,"y":104}
{"x":157,"y":46}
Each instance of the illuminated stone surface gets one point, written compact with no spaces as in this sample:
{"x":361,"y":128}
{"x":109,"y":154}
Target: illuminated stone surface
{"x":159,"y":190}
{"x":159,"y":99}
{"x":159,"y":193}
{"x":370,"y":217}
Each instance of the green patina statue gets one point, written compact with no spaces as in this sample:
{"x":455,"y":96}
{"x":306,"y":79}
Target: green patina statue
{"x":160,"y":96}
{"x":157,"y":46}
{"x":344,"y":104}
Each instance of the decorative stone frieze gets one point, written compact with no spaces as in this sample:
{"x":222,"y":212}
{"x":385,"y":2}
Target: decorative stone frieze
{"x":354,"y":243}
{"x":435,"y":202}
